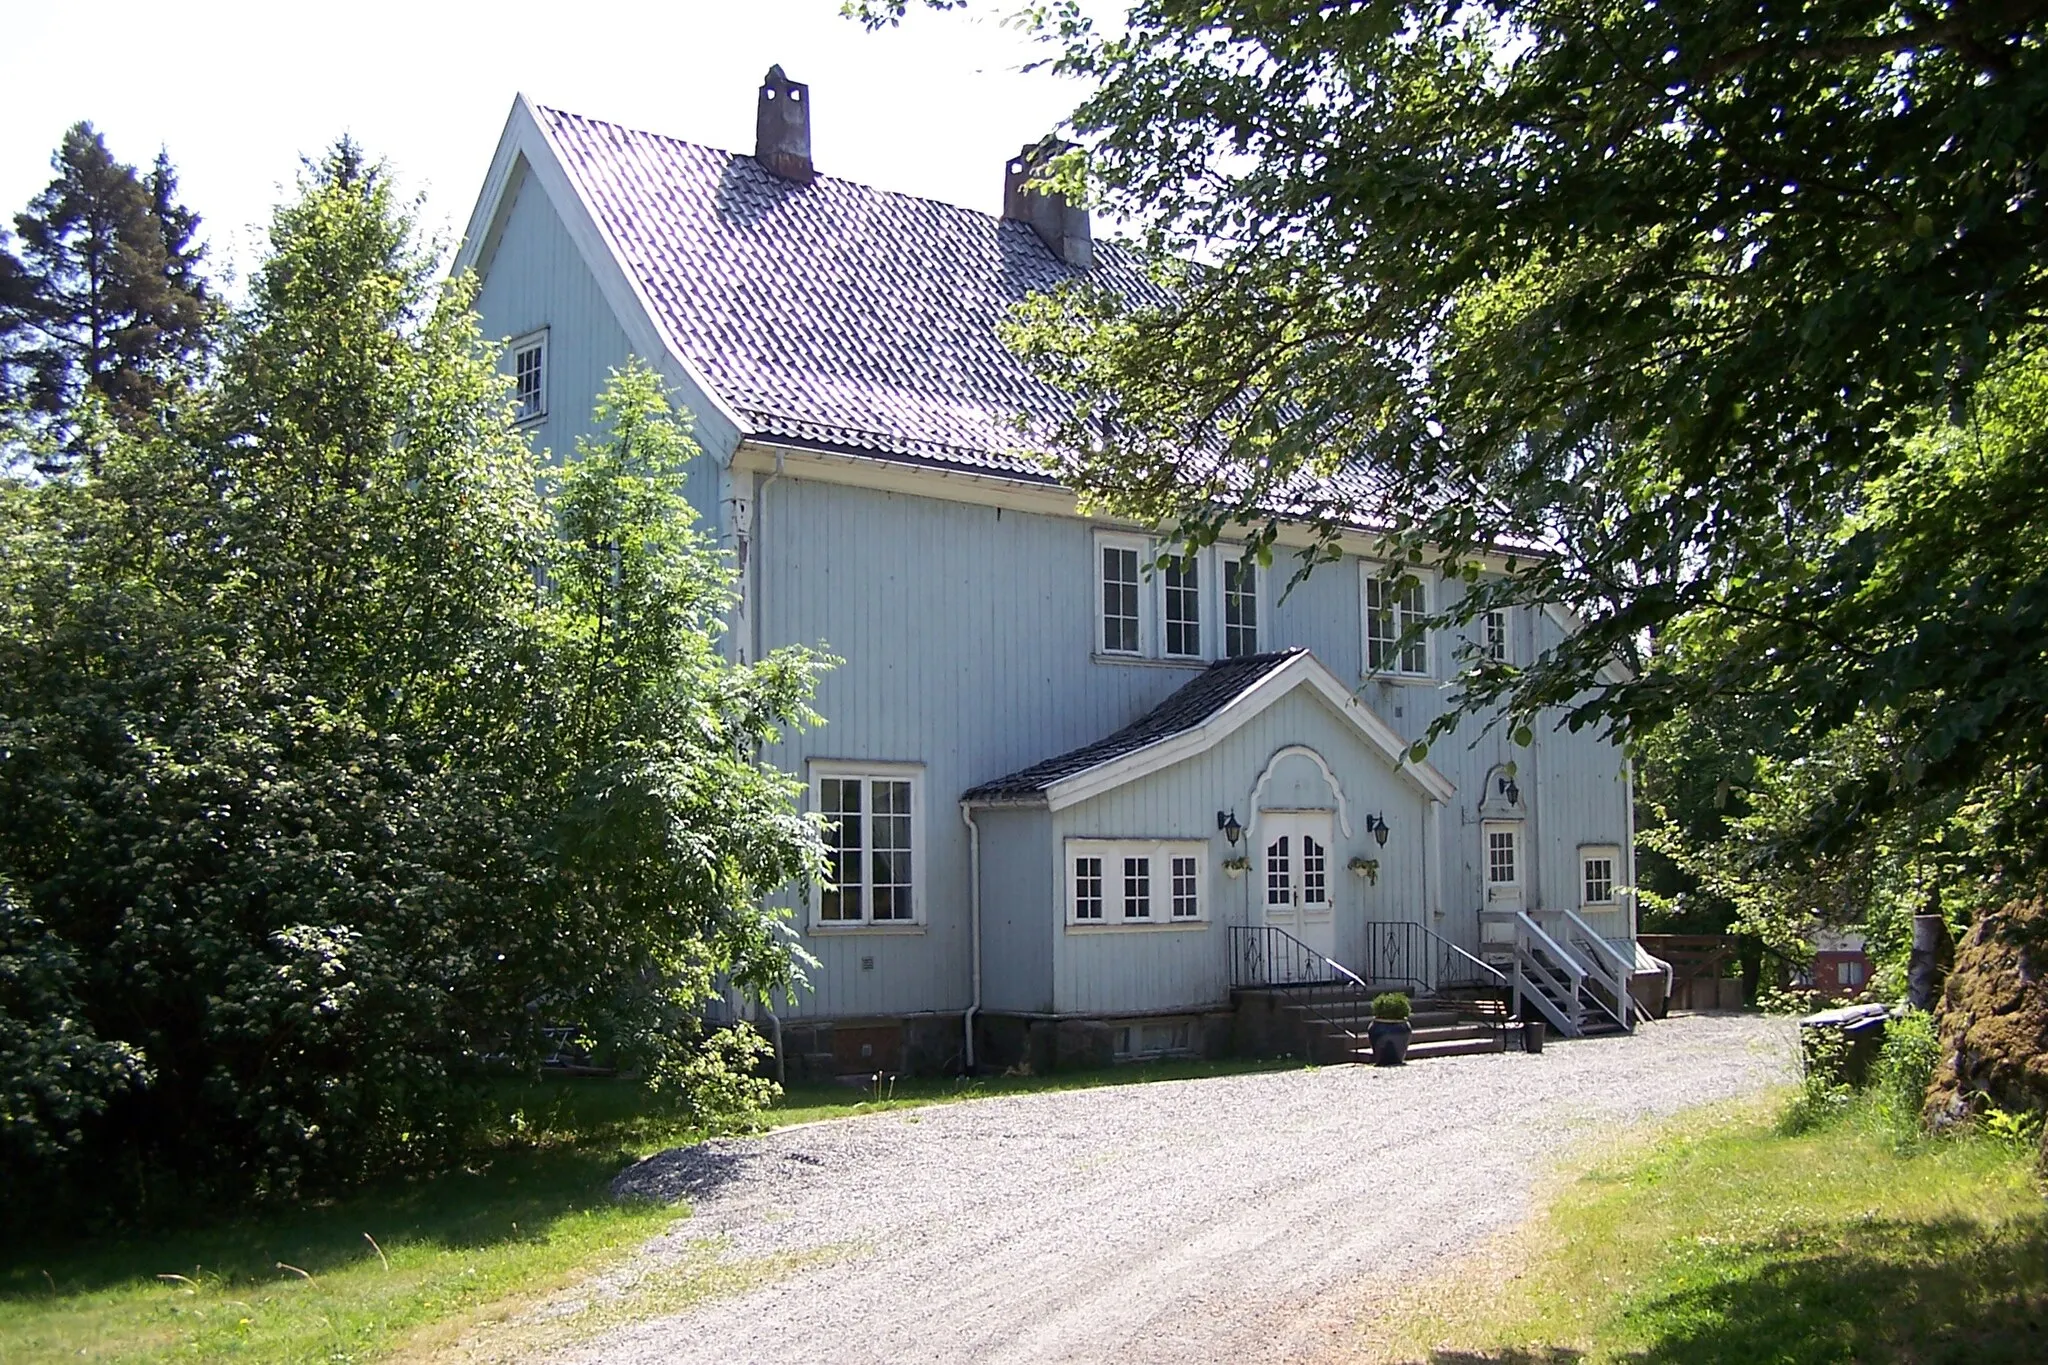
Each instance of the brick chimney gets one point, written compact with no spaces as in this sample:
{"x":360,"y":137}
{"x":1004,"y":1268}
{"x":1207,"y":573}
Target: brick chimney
{"x":782,"y":127}
{"x":1063,"y":227}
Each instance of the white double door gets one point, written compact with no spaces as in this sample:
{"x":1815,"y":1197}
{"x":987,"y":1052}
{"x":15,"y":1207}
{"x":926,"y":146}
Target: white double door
{"x":1297,"y":886}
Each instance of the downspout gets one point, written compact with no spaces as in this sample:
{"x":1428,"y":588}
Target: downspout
{"x":775,"y":1029}
{"x":974,"y":922}
{"x":754,"y":612}
{"x":1628,"y":829}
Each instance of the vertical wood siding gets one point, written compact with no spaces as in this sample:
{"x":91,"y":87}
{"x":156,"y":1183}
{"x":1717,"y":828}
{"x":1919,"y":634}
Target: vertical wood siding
{"x":1016,"y":887}
{"x":1168,"y":968}
{"x":536,"y":278}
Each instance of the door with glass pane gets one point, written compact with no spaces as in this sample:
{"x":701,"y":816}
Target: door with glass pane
{"x":1296,"y":891}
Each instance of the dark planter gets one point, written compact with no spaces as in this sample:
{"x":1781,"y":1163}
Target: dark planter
{"x":1389,"y":1039}
{"x":1532,"y":1035}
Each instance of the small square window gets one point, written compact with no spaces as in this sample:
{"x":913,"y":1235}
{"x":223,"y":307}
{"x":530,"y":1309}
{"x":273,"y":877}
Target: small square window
{"x":530,"y":377}
{"x":1600,"y":876}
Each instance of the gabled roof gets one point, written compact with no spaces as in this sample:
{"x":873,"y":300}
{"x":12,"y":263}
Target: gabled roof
{"x":1214,"y":704}
{"x":830,"y":314}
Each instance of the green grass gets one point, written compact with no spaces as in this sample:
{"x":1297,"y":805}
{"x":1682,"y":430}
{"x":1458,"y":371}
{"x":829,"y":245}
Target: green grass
{"x":1735,"y":1240}
{"x":460,"y":1252}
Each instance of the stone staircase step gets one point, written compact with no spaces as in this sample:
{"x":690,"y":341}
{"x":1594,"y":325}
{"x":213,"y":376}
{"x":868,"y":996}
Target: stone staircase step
{"x":1450,"y":1047}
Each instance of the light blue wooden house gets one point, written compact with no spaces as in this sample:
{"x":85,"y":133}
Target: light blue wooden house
{"x":1080,"y":807}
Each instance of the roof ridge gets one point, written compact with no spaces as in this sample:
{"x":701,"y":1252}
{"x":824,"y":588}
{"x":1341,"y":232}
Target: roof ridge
{"x":727,"y":151}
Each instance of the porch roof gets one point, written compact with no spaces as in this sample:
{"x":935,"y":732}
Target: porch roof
{"x":1219,"y":699}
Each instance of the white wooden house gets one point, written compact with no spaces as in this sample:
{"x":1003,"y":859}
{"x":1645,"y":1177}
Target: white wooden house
{"x":1037,"y":750}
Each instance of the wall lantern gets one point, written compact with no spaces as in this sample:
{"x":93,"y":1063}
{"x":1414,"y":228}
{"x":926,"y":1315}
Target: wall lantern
{"x":1232,"y":830}
{"x":1512,"y":792}
{"x":1376,"y":825}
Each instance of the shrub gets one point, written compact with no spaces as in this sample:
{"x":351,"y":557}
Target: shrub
{"x":1900,"y":1078}
{"x":1391,"y":1005}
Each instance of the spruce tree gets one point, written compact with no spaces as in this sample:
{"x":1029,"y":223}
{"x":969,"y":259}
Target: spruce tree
{"x":105,"y":294}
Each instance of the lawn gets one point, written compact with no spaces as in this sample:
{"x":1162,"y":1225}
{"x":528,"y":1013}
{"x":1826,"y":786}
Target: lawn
{"x":406,"y":1269}
{"x":1730,"y":1240}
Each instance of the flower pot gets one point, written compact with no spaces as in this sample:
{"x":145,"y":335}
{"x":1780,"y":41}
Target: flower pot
{"x":1389,"y":1039}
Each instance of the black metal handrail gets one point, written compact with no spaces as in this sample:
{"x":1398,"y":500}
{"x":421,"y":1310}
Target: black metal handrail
{"x":1418,"y":956}
{"x":1263,"y":956}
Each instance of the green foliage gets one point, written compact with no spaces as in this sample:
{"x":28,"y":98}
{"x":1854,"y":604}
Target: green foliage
{"x":1904,"y":1070}
{"x":1717,"y":323}
{"x":1390,"y":1005}
{"x":341,"y":747}
{"x":106,"y":297}
{"x":1823,"y":1095}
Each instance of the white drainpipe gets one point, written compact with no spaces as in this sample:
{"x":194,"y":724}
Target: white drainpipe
{"x":974,"y":920}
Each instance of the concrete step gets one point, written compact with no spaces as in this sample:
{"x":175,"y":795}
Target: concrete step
{"x":1451,"y":1047}
{"x":1451,"y":1033}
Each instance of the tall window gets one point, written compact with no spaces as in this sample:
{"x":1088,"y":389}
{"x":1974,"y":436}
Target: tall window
{"x":1392,"y":608}
{"x":1183,"y":579}
{"x":871,"y":846}
{"x":1138,"y":888}
{"x":1186,"y":899}
{"x":529,"y":377}
{"x":1279,"y":880}
{"x":1495,"y":638}
{"x":1088,"y":889}
{"x":1314,"y":872}
{"x":1120,"y":599}
{"x":1240,"y":607}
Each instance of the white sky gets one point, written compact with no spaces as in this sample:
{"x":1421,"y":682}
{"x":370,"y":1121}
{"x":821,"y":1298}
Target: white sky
{"x":932,"y":108}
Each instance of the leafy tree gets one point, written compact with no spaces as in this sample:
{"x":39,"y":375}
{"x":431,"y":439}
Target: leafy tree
{"x":106,"y":296}
{"x":1661,"y":289}
{"x":341,"y":745}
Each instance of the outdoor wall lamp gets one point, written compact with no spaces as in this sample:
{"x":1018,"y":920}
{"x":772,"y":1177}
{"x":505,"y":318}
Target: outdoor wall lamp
{"x":1232,"y":830}
{"x":1512,"y":792}
{"x":1376,"y":825}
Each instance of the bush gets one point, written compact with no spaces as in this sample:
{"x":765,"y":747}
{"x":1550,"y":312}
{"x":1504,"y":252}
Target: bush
{"x":1391,"y":1005}
{"x":1904,"y":1068}
{"x":340,"y":746}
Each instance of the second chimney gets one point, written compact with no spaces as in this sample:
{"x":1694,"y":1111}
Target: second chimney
{"x":782,"y":127}
{"x":1063,"y":227}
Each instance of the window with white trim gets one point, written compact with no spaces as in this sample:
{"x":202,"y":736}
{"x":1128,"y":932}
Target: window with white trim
{"x":1849,"y":972}
{"x":1137,"y":886}
{"x":1152,"y":604}
{"x":1187,"y":900}
{"x":1600,"y":877}
{"x":873,"y":844}
{"x":529,"y":376}
{"x":1393,"y":606}
{"x":1181,"y":580}
{"x":1493,"y":639}
{"x":1135,"y":883}
{"x":1500,"y":857}
{"x":1123,"y":622}
{"x":1240,"y":605}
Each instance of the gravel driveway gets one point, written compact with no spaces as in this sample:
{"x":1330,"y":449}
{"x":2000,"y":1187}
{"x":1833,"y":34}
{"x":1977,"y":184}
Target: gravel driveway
{"x":1239,"y":1218}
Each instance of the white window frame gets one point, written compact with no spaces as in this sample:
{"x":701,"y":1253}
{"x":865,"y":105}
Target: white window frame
{"x":1226,"y":557}
{"x":1196,"y":565}
{"x":1371,"y":578}
{"x":1504,"y":616}
{"x":1159,"y":873}
{"x":868,"y":773}
{"x":1611,"y":855}
{"x":537,"y":340}
{"x":1142,"y":549}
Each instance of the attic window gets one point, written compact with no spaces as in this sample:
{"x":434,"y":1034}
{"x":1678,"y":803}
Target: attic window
{"x":530,"y":377}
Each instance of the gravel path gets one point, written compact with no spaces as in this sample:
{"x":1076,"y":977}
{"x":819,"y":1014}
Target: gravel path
{"x":1238,"y":1218}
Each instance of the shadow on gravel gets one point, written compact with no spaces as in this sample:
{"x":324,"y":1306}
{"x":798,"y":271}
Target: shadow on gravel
{"x":1539,"y":1355}
{"x":694,"y":1172}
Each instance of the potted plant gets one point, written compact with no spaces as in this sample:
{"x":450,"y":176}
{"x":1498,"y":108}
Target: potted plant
{"x":1390,"y":1029}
